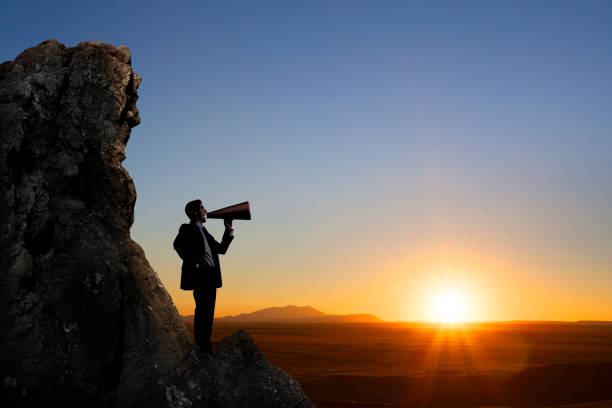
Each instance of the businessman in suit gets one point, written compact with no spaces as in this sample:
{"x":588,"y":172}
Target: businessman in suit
{"x":201,"y":271}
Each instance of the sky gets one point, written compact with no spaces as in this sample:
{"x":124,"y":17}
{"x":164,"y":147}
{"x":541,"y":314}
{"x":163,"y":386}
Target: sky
{"x":392,"y":152}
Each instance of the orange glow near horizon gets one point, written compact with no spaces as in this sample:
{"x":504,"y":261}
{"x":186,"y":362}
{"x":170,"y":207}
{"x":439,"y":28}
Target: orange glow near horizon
{"x":439,"y":284}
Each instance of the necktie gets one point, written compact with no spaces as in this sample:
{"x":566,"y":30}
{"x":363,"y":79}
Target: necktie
{"x":207,"y":254}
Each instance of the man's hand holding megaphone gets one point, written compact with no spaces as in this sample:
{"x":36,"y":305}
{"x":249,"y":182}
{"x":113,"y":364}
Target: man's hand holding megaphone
{"x":228,"y":223}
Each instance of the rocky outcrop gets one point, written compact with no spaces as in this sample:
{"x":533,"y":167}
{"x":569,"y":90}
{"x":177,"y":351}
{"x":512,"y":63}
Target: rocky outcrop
{"x":246,"y":379}
{"x":84,"y":319}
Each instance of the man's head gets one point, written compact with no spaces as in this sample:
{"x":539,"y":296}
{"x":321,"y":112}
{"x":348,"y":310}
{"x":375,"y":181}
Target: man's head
{"x":195,"y":211}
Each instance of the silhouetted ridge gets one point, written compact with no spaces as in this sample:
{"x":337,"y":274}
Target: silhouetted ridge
{"x":300,"y":314}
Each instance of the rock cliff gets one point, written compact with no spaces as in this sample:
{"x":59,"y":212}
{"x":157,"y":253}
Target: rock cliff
{"x":84,"y":319}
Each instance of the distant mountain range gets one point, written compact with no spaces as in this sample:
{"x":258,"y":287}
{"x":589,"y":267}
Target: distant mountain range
{"x":300,"y":314}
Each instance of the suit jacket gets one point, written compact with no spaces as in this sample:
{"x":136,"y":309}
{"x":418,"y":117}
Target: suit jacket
{"x":189,"y":244}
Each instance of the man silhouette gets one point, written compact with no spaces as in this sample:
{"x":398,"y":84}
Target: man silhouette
{"x":201,"y":271}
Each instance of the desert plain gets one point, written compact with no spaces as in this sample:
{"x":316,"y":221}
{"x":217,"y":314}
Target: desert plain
{"x":387,"y":364}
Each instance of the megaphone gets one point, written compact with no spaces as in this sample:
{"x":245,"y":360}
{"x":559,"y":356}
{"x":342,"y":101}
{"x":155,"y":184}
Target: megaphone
{"x":240,"y":211}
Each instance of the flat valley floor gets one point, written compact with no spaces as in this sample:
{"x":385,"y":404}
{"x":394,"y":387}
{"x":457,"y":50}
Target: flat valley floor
{"x":416,"y":365}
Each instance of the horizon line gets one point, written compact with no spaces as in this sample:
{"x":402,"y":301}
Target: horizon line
{"x":419,"y":321}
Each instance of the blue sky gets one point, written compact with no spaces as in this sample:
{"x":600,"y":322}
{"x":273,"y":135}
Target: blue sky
{"x":366,"y":134}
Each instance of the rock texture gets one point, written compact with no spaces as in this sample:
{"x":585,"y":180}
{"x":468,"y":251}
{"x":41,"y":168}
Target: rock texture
{"x":84,"y":319}
{"x":246,"y":379}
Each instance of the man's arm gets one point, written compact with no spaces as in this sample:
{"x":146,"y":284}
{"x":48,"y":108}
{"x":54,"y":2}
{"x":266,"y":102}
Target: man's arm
{"x":228,"y":236}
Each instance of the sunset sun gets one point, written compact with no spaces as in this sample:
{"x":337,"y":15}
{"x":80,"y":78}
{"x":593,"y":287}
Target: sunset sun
{"x":450,"y":307}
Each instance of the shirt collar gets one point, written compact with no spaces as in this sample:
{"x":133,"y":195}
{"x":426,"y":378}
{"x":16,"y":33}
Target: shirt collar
{"x":197,"y":224}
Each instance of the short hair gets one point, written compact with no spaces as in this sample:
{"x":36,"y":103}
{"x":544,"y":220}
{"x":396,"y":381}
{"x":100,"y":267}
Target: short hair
{"x":191,"y":208}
